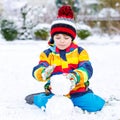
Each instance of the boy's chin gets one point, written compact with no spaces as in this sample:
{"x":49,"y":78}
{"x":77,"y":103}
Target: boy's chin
{"x":62,"y":48}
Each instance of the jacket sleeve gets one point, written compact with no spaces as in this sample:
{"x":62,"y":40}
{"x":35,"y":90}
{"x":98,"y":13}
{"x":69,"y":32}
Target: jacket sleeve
{"x":84,"y":70}
{"x":43,"y":63}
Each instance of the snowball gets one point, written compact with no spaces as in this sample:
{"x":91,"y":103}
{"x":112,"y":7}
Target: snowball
{"x":59,"y":106}
{"x":60,"y":85}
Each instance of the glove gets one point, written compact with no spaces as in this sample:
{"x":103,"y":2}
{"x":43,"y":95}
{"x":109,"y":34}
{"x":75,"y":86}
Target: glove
{"x":47,"y":88}
{"x":72,"y":79}
{"x":47,"y":72}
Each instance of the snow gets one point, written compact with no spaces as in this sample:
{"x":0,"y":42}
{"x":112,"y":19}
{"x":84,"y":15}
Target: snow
{"x":18,"y":58}
{"x":58,"y":106}
{"x":82,"y":26}
{"x":13,"y":5}
{"x":61,"y":86}
{"x":108,"y":12}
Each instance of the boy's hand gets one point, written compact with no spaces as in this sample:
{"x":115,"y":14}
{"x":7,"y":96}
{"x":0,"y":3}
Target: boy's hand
{"x":47,"y":72}
{"x":72,"y":78}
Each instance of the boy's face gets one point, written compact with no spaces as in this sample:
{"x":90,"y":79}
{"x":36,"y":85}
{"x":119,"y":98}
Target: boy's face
{"x":62,"y":41}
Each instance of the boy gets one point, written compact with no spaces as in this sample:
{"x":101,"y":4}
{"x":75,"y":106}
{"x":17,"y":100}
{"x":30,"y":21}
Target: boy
{"x":65,"y":57}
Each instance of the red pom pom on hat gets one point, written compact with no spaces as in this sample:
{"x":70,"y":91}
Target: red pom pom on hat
{"x":65,"y":12}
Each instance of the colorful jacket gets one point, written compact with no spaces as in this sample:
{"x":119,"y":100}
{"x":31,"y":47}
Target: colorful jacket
{"x":72,"y":60}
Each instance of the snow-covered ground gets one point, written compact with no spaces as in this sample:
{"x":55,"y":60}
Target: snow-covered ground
{"x":17,"y":59}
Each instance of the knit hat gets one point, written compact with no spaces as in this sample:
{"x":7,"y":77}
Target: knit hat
{"x":64,"y":23}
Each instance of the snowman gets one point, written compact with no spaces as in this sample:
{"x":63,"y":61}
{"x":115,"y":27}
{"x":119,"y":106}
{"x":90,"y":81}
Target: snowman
{"x":59,"y":105}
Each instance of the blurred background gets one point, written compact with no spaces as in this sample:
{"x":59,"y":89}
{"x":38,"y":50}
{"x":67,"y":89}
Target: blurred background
{"x":31,"y":19}
{"x":24,"y":30}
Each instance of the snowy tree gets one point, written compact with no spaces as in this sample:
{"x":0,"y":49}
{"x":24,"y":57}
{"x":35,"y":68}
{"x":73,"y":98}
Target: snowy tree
{"x":8,"y":30}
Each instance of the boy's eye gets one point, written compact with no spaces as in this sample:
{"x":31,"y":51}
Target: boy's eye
{"x":57,"y":37}
{"x":66,"y":37}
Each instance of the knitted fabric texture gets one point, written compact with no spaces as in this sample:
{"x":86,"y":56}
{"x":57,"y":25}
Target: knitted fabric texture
{"x":64,"y":23}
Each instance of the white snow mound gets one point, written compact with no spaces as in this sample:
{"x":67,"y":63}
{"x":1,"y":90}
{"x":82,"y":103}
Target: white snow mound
{"x":60,"y":85}
{"x":59,"y":106}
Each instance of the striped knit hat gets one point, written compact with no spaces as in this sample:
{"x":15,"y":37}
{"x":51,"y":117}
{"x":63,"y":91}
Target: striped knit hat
{"x":64,"y":23}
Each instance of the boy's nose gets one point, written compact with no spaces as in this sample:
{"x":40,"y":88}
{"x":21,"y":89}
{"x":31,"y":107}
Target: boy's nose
{"x":61,"y":40}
